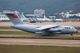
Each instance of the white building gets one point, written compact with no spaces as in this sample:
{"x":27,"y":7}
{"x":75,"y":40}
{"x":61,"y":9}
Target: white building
{"x":68,"y":14}
{"x":3,"y":17}
{"x":39,"y":12}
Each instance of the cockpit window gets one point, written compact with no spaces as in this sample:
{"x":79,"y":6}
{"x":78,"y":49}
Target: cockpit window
{"x":67,"y":27}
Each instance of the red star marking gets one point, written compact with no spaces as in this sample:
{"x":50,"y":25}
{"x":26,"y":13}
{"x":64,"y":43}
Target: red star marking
{"x":14,"y":16}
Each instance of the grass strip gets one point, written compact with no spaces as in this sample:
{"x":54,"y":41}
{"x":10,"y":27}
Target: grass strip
{"x":14,"y":33}
{"x":37,"y":49}
{"x":22,"y":34}
{"x":5,"y":27}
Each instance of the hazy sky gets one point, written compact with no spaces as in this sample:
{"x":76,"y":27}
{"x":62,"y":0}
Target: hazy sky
{"x":50,"y":6}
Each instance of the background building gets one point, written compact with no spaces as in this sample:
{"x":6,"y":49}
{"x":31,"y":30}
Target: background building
{"x":39,"y":12}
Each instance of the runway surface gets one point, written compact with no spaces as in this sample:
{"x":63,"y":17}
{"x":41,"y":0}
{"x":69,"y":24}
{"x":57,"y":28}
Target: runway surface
{"x":75,"y":24}
{"x":42,"y":42}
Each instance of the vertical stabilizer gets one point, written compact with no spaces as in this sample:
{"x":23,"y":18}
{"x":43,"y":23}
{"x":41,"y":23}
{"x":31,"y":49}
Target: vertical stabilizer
{"x":14,"y":18}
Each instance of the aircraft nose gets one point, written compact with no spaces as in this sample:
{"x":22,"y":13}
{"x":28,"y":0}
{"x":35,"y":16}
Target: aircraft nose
{"x":76,"y":31}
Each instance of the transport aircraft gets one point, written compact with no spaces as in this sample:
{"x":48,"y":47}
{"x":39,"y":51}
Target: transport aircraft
{"x":40,"y":30}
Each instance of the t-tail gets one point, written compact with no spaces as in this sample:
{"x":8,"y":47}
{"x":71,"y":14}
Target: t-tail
{"x":14,"y":18}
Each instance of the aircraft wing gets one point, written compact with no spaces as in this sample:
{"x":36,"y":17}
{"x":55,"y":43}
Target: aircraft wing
{"x":46,"y":28}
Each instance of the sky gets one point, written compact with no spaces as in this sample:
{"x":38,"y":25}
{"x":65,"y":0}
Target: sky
{"x":51,"y":6}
